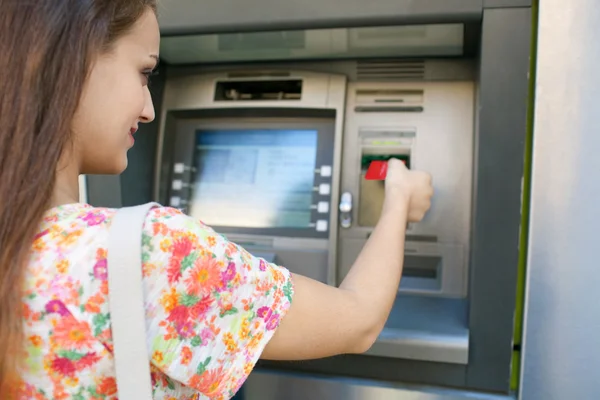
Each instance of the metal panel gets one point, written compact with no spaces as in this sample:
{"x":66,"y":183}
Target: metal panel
{"x":381,"y":369}
{"x":439,"y":139}
{"x":433,"y":69}
{"x":83,"y":190}
{"x":561,"y":355}
{"x":500,"y":159}
{"x":506,"y":3}
{"x":212,"y":16}
{"x":104,"y":191}
{"x":266,"y":386}
{"x":425,"y":328}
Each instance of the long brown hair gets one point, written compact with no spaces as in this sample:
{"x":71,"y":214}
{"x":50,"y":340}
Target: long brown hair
{"x":47,"y":48}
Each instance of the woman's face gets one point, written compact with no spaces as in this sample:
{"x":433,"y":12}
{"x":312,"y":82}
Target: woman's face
{"x":116,"y":100}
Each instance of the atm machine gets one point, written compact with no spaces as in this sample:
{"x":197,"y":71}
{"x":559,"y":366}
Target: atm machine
{"x":288,"y":105}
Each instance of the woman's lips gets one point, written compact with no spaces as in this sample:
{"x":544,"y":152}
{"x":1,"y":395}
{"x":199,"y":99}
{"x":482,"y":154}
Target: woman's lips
{"x":132,"y":132}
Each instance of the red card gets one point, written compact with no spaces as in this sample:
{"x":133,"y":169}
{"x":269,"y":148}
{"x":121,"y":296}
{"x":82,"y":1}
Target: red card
{"x":377,"y":171}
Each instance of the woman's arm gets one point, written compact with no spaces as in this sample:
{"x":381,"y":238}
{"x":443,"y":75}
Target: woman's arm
{"x":212,"y":308}
{"x":324,"y":320}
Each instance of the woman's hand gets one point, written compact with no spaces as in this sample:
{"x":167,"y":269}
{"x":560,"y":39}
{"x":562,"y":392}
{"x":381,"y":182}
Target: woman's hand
{"x":402,"y":184}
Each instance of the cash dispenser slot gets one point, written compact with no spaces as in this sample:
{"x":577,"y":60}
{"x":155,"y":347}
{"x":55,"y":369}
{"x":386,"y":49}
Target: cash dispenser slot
{"x":425,"y":323}
{"x":425,"y":328}
{"x":424,"y":267}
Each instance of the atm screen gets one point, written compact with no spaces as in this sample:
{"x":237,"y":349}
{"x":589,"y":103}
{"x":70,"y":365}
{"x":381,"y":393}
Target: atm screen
{"x":260,"y":178}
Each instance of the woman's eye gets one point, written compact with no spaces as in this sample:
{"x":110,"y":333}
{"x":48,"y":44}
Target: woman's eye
{"x":149,"y":73}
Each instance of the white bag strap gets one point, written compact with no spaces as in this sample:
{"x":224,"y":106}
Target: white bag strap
{"x":126,"y":303}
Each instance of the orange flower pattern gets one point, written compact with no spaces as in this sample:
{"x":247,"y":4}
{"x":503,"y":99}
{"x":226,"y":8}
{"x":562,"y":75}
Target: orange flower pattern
{"x":211,"y":308}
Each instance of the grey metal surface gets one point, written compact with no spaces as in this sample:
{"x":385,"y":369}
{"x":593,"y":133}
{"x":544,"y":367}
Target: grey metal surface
{"x":209,"y":16}
{"x":428,"y":69}
{"x":503,"y":90}
{"x":438,"y":140}
{"x":381,"y":369}
{"x":83,"y":191}
{"x":503,"y":95}
{"x":364,"y":42}
{"x":277,"y":386}
{"x":561,"y":353}
{"x":104,"y":191}
{"x":425,"y":328}
{"x":506,"y":3}
{"x":308,"y":257}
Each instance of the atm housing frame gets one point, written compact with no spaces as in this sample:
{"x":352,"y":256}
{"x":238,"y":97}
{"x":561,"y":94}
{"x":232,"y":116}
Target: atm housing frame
{"x":499,"y":42}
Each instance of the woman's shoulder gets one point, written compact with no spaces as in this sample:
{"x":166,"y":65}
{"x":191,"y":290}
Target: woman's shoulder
{"x":85,"y":215}
{"x":165,"y":230}
{"x":172,"y":242}
{"x":76,"y":216}
{"x":78,"y":228}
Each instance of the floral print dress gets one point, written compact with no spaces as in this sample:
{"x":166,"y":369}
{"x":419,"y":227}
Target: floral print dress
{"x":211,"y":307}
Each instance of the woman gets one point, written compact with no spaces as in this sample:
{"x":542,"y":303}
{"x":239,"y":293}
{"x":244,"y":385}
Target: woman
{"x":77,"y":90}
